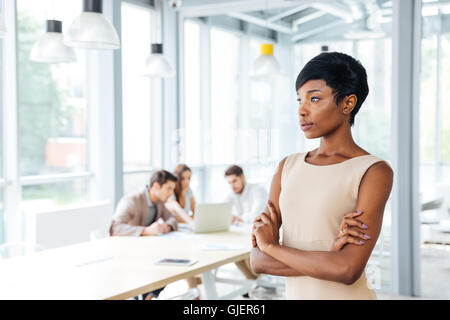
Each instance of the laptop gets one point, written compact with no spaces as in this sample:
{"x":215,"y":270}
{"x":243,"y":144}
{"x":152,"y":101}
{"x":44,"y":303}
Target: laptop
{"x":212,"y":217}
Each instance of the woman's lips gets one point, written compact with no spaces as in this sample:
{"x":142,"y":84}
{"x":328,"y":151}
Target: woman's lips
{"x":306,"y":126}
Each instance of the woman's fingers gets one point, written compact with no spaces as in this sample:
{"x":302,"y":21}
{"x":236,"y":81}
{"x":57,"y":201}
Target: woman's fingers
{"x":353,"y":223}
{"x":273,"y":212}
{"x":258,"y":218}
{"x":342,"y":241}
{"x":351,"y":215}
{"x":354,"y":214}
{"x":258,"y":225}
{"x":260,"y":221}
{"x":253,"y":240}
{"x":355,"y":232}
{"x":353,"y":240}
{"x":265,"y":219}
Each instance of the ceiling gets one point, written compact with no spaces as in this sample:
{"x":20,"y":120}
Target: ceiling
{"x":301,"y":20}
{"x":305,"y":20}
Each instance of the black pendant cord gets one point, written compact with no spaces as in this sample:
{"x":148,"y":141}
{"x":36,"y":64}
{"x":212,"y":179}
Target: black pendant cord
{"x":157,"y":48}
{"x":54,"y":26}
{"x":93,"y":6}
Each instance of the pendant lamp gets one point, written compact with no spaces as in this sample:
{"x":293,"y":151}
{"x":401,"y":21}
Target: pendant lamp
{"x":91,"y":30}
{"x":50,"y":47}
{"x":157,"y":66}
{"x":266,"y":65}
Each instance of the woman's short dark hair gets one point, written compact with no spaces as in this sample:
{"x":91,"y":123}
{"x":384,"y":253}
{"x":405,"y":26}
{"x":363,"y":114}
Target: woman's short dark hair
{"x":162,"y":177}
{"x":234,"y":170}
{"x":343,"y":73}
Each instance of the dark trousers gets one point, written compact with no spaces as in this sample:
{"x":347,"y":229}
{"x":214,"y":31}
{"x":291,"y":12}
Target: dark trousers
{"x":154,"y":293}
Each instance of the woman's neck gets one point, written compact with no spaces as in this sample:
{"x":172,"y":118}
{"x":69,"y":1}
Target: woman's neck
{"x":339,"y":142}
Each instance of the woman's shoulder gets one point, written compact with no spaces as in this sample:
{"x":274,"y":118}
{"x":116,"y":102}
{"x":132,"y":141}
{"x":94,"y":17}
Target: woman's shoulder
{"x":379,"y":167}
{"x":292,"y":157}
{"x":373,"y":160}
{"x":376,"y":170}
{"x":288,"y":162}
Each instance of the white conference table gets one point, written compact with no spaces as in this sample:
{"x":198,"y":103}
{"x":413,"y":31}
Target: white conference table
{"x":118,"y":268}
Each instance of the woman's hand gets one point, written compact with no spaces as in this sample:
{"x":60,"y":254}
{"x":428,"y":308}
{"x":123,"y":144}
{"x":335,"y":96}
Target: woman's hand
{"x":266,"y":228}
{"x":351,"y":231}
{"x":270,"y":208}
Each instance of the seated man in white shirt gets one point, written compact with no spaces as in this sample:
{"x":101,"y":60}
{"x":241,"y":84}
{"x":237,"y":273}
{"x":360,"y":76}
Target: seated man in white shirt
{"x":249,"y":200}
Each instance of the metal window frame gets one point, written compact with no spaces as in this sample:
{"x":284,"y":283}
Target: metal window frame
{"x":12,"y":190}
{"x":438,"y":111}
{"x":406,"y":40}
{"x":155,"y":129}
{"x":54,"y":178}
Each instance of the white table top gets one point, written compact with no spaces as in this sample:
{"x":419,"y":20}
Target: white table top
{"x":117,"y":267}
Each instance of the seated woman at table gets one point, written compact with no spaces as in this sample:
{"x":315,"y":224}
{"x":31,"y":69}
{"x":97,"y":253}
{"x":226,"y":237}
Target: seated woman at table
{"x":182,"y":203}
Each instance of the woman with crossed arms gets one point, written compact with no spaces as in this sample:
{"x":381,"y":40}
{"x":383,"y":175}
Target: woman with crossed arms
{"x":330,"y":201}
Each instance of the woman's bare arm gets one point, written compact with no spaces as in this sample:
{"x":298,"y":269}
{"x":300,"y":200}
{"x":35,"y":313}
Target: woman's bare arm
{"x":178,"y":211}
{"x":353,"y":233}
{"x":346,"y":265}
{"x":263,"y":263}
{"x":193,"y":207}
{"x":260,"y":261}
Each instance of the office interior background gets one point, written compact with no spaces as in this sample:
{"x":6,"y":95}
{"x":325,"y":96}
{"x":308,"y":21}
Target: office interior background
{"x":82,"y":134}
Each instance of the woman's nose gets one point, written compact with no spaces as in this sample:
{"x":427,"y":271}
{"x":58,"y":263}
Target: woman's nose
{"x":302,"y":110}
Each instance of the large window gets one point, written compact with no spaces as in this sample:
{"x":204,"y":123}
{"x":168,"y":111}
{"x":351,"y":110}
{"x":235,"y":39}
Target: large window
{"x":224,"y":95}
{"x":435,"y":148}
{"x":193,"y":111}
{"x":137,"y":115}
{"x":375,"y":115}
{"x":51,"y":112}
{"x":238,"y":115}
{"x":64,"y":126}
{"x":258,"y":138}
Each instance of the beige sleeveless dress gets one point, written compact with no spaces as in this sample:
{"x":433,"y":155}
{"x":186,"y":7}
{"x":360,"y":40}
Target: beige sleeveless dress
{"x":313,"y":201}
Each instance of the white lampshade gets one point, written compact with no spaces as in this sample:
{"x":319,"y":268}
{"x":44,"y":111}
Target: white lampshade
{"x":50,"y":47}
{"x":91,"y":30}
{"x":157,"y":65}
{"x":2,"y":27}
{"x":266,"y":65}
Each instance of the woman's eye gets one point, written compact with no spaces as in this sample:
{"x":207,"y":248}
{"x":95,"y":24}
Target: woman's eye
{"x":315,"y":99}
{"x":299,"y":101}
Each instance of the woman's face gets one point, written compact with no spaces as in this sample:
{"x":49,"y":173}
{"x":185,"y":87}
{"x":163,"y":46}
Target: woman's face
{"x":185,"y":180}
{"x":318,"y":112}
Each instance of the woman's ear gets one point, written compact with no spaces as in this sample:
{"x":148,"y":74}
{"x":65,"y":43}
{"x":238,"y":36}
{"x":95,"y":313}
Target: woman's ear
{"x":349,"y":103}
